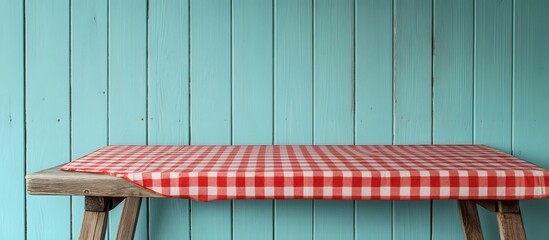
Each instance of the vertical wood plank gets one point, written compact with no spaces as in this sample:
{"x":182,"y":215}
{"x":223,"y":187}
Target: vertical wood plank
{"x":531,"y":55}
{"x":128,"y":86}
{"x":252,"y":71}
{"x":211,"y":102}
{"x":374,"y":72}
{"x":334,"y":102}
{"x":412,"y":113}
{"x":333,"y":72}
{"x":168,"y":103}
{"x":12,"y":122}
{"x":492,"y":83}
{"x":470,"y":222}
{"x":452,"y":95}
{"x":374,"y":102}
{"x":293,"y":102}
{"x":293,"y":72}
{"x":493,"y":72}
{"x":47,"y":110}
{"x":211,"y":72}
{"x":252,"y":109}
{"x":88,"y":86}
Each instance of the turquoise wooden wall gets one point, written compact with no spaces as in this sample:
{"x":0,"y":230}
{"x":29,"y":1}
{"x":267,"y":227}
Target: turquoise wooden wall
{"x":78,"y":75}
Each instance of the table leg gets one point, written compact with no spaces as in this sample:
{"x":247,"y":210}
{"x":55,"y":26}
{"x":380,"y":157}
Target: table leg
{"x":95,"y":219}
{"x":470,"y":220}
{"x":128,"y":220}
{"x":510,"y":221}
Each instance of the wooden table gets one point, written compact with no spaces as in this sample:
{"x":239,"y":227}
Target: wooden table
{"x":104,"y":192}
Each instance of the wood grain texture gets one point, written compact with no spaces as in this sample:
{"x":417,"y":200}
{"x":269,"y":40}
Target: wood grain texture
{"x":493,"y":83}
{"x":94,"y":225}
{"x":47,"y":110}
{"x":12,"y":119}
{"x":252,"y":102}
{"x":128,"y":220}
{"x":293,"y":72}
{"x":293,"y":219}
{"x":333,"y":102}
{"x":374,"y":71}
{"x":374,"y":102}
{"x":531,"y":116}
{"x":211,"y":103}
{"x":470,"y":221}
{"x":452,"y":94}
{"x":168,"y":103}
{"x":412,"y":103}
{"x":88,"y":85}
{"x":493,"y":73}
{"x":510,"y":221}
{"x":128,"y":85}
{"x":211,"y":72}
{"x":252,"y":219}
{"x":293,"y":104}
{"x":56,"y":182}
{"x":252,"y":72}
{"x":333,"y":72}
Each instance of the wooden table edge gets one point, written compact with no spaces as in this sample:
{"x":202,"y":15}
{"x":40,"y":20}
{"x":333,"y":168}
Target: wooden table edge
{"x":54,"y":181}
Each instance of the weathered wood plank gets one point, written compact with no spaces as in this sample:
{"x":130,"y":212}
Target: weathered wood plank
{"x":168,"y":103}
{"x":56,"y":182}
{"x":47,"y":113}
{"x":531,"y":98}
{"x":12,"y":122}
{"x":128,"y":220}
{"x":374,"y":102}
{"x":510,"y":221}
{"x":94,"y":225}
{"x":128,"y":85}
{"x":470,"y":221}
{"x":88,"y":85}
{"x":412,"y":103}
{"x":334,"y":99}
{"x":293,"y":104}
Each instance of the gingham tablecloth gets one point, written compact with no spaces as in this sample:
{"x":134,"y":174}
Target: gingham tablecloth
{"x":396,"y":172}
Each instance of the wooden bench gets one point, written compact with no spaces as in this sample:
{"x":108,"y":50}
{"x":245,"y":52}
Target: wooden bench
{"x":104,"y":192}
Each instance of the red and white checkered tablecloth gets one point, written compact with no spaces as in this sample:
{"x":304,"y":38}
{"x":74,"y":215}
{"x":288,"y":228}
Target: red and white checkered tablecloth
{"x":388,"y":172}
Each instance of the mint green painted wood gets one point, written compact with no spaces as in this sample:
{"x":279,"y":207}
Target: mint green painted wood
{"x":88,"y":86}
{"x":47,"y":110}
{"x":168,"y":104}
{"x":333,"y":72}
{"x":12,"y":120}
{"x":211,"y":103}
{"x":252,"y":219}
{"x":531,"y":115}
{"x":128,"y":87}
{"x":412,"y":106}
{"x":373,"y":220}
{"x":252,"y":72}
{"x":452,"y":95}
{"x":333,"y":102}
{"x":293,"y":104}
{"x":493,"y":73}
{"x":411,"y":220}
{"x":211,"y":72}
{"x":212,"y":220}
{"x":293,"y":72}
{"x":374,"y":102}
{"x":293,"y":219}
{"x":169,"y":219}
{"x":374,"y":71}
{"x":333,"y":220}
{"x":252,"y":102}
{"x":493,"y":83}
